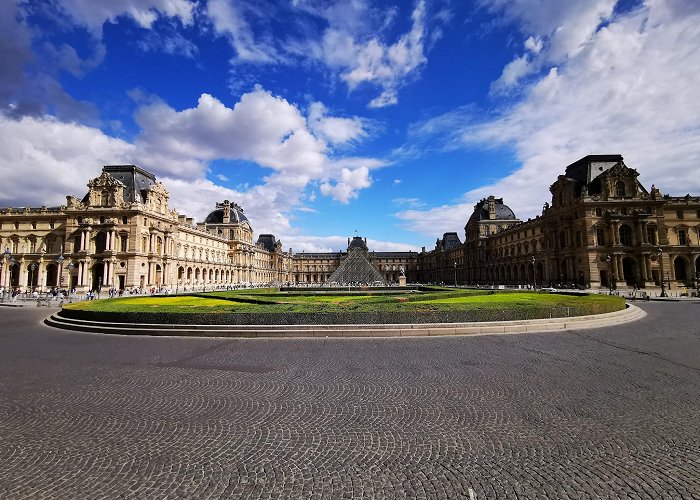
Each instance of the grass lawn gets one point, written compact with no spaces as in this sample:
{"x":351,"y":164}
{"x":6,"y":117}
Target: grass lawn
{"x":532,"y":304}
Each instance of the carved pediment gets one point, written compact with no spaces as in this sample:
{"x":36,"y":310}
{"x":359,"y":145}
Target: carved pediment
{"x":105,"y":180}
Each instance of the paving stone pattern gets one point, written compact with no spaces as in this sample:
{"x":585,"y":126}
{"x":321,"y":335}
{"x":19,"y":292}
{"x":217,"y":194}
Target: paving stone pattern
{"x":609,"y":413}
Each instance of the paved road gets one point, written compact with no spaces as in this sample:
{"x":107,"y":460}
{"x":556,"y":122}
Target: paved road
{"x":610,"y":413}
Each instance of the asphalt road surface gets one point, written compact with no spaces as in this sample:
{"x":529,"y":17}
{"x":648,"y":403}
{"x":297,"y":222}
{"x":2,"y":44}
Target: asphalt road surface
{"x":607,"y":413}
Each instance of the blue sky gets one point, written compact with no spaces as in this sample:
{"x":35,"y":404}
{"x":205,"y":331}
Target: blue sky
{"x":323,"y":118}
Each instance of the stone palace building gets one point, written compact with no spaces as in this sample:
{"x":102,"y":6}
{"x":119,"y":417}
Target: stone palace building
{"x":602,"y":228}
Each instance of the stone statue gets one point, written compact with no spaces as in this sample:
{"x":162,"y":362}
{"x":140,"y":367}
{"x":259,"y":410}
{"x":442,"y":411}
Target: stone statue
{"x":402,"y":271}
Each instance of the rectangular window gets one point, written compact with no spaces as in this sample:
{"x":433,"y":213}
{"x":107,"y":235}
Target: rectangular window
{"x":600,"y":236}
{"x":144,"y":245}
{"x":651,"y":235}
{"x":124,"y":240}
{"x":682,"y":237}
{"x":578,"y":238}
{"x":679,"y":214}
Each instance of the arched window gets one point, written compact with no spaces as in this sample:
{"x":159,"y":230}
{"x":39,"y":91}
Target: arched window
{"x":620,"y":189}
{"x":626,"y":235}
{"x":679,"y":268}
{"x":104,"y":198}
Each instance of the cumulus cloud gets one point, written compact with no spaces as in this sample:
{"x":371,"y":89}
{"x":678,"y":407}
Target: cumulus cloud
{"x":260,"y":127}
{"x":178,"y":147}
{"x":43,"y":159}
{"x":335,"y":130}
{"x":631,"y":89}
{"x":348,"y":184}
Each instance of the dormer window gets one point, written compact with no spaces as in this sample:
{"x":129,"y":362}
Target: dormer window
{"x":104,"y":198}
{"x":620,"y":190}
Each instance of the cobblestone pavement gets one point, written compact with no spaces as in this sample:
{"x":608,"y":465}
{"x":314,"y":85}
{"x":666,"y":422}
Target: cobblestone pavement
{"x":609,"y":413}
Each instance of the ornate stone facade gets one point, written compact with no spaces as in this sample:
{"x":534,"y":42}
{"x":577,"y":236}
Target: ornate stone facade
{"x":123,"y":234}
{"x":601,"y":229}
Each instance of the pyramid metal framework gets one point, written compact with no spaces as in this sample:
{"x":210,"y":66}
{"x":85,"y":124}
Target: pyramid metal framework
{"x":356,"y":269}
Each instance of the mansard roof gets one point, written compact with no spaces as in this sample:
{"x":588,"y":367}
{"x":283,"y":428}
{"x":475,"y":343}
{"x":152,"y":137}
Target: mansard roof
{"x":503,"y":211}
{"x":268,"y":242}
{"x":137,"y":181}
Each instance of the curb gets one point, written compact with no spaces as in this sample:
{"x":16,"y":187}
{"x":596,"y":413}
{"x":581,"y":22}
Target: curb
{"x":629,"y":314}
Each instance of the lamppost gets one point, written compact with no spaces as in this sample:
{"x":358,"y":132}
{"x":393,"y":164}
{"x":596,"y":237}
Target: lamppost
{"x":60,"y":272}
{"x":534,"y":273}
{"x":7,"y":256}
{"x":660,"y":253}
{"x":70,"y":267}
{"x":455,"y":274}
{"x":610,"y":272}
{"x":32,"y":268}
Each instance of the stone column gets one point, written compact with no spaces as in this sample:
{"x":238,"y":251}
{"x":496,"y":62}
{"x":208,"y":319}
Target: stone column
{"x":82,"y":241}
{"x":620,"y":270}
{"x":646,"y":267}
{"x":23,"y":273}
{"x":616,"y":233}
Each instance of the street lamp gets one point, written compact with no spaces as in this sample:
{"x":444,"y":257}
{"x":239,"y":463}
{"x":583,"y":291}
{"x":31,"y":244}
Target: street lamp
{"x":32,"y":268}
{"x":660,"y":253}
{"x":60,"y":271}
{"x":70,"y":267}
{"x":8,"y":259}
{"x":534,"y":273}
{"x":455,"y":274}
{"x":7,"y":256}
{"x":610,"y":272}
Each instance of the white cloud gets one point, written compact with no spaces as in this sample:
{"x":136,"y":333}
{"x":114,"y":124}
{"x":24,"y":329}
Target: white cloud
{"x":222,"y":177}
{"x":408,"y":202}
{"x":94,"y":13}
{"x":352,"y":39}
{"x":305,"y":243}
{"x":555,"y":31}
{"x":229,"y":20}
{"x":512,"y":74}
{"x":43,"y":160}
{"x":534,"y":45}
{"x":335,"y":130}
{"x":437,"y":220}
{"x":260,"y":127}
{"x":346,"y":187}
{"x":376,"y":63}
{"x":632,"y":89}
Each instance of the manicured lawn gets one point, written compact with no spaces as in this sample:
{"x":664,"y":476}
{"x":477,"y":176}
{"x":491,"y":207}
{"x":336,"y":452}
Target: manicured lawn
{"x":269,"y":302}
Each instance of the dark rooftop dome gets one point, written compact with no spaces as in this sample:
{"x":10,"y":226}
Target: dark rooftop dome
{"x":502,"y":211}
{"x":236,"y":215}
